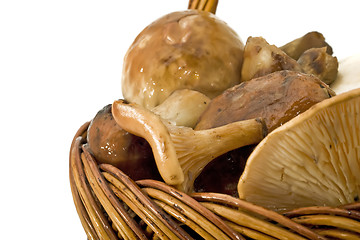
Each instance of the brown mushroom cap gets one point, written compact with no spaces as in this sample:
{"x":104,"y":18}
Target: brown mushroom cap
{"x":111,"y":144}
{"x":276,"y":97}
{"x":314,"y":159}
{"x":189,"y":49}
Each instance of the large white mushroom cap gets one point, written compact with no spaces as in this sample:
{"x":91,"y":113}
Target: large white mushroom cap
{"x":312,"y":160}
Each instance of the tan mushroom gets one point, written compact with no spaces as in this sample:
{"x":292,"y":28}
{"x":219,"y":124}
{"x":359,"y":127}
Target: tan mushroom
{"x":261,"y":58}
{"x":183,"y":107}
{"x":298,"y":46}
{"x":190,"y":49}
{"x":314,"y":159}
{"x":180,"y":152}
{"x":318,"y":62}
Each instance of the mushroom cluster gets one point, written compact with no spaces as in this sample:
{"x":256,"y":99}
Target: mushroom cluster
{"x":198,"y":102}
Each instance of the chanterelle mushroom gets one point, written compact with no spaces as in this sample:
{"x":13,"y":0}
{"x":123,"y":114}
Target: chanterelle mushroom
{"x":190,"y":49}
{"x":314,"y":159}
{"x":180,"y":152}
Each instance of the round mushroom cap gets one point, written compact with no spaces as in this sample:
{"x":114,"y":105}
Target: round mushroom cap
{"x":182,"y":50}
{"x":312,"y":160}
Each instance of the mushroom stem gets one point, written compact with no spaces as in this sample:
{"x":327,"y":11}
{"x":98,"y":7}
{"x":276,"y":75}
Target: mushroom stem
{"x":195,"y":149}
{"x":204,"y":5}
{"x":180,"y":152}
{"x":141,"y":122}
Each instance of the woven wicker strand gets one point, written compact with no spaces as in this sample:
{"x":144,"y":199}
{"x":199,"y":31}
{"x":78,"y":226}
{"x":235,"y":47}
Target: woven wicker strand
{"x":188,"y":201}
{"x":204,"y":5}
{"x":162,"y":220}
{"x":96,"y":223}
{"x":112,"y":206}
{"x":271,"y":215}
{"x":121,"y":219}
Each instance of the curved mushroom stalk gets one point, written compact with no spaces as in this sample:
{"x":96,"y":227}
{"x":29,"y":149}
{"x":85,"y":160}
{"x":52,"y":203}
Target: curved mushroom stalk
{"x":143,"y":123}
{"x":195,"y":149}
{"x":181,"y":152}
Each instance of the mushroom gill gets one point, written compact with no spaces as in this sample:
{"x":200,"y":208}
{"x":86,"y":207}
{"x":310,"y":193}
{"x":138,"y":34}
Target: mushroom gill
{"x":312,"y":160}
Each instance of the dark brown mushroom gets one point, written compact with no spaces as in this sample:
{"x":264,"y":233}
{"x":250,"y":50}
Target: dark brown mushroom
{"x":111,"y":144}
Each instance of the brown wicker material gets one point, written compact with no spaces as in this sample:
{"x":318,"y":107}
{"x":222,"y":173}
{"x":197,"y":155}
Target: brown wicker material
{"x":112,"y":206}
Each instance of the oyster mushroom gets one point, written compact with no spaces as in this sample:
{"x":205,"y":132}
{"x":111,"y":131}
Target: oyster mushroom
{"x":312,"y":160}
{"x":180,"y":152}
{"x":191,"y":49}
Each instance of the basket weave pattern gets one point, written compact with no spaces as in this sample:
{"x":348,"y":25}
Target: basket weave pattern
{"x":112,"y":206}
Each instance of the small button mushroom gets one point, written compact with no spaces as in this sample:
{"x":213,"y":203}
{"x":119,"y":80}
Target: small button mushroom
{"x":261,"y":58}
{"x":190,"y":49}
{"x":111,"y":144}
{"x":183,"y":107}
{"x":276,"y":97}
{"x":318,"y":62}
{"x":180,"y":152}
{"x":295,"y":48}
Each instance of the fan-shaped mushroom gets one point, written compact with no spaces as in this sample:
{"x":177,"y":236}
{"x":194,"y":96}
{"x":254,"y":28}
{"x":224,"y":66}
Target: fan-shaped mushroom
{"x":190,"y":49}
{"x":181,"y":152}
{"x":314,"y":159}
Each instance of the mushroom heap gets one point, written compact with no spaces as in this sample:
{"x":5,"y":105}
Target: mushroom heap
{"x":202,"y":110}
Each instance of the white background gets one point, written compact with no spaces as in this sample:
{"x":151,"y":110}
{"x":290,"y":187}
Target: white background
{"x":61,"y":61}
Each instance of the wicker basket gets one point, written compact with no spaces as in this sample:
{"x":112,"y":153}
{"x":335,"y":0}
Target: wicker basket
{"x":112,"y":206}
